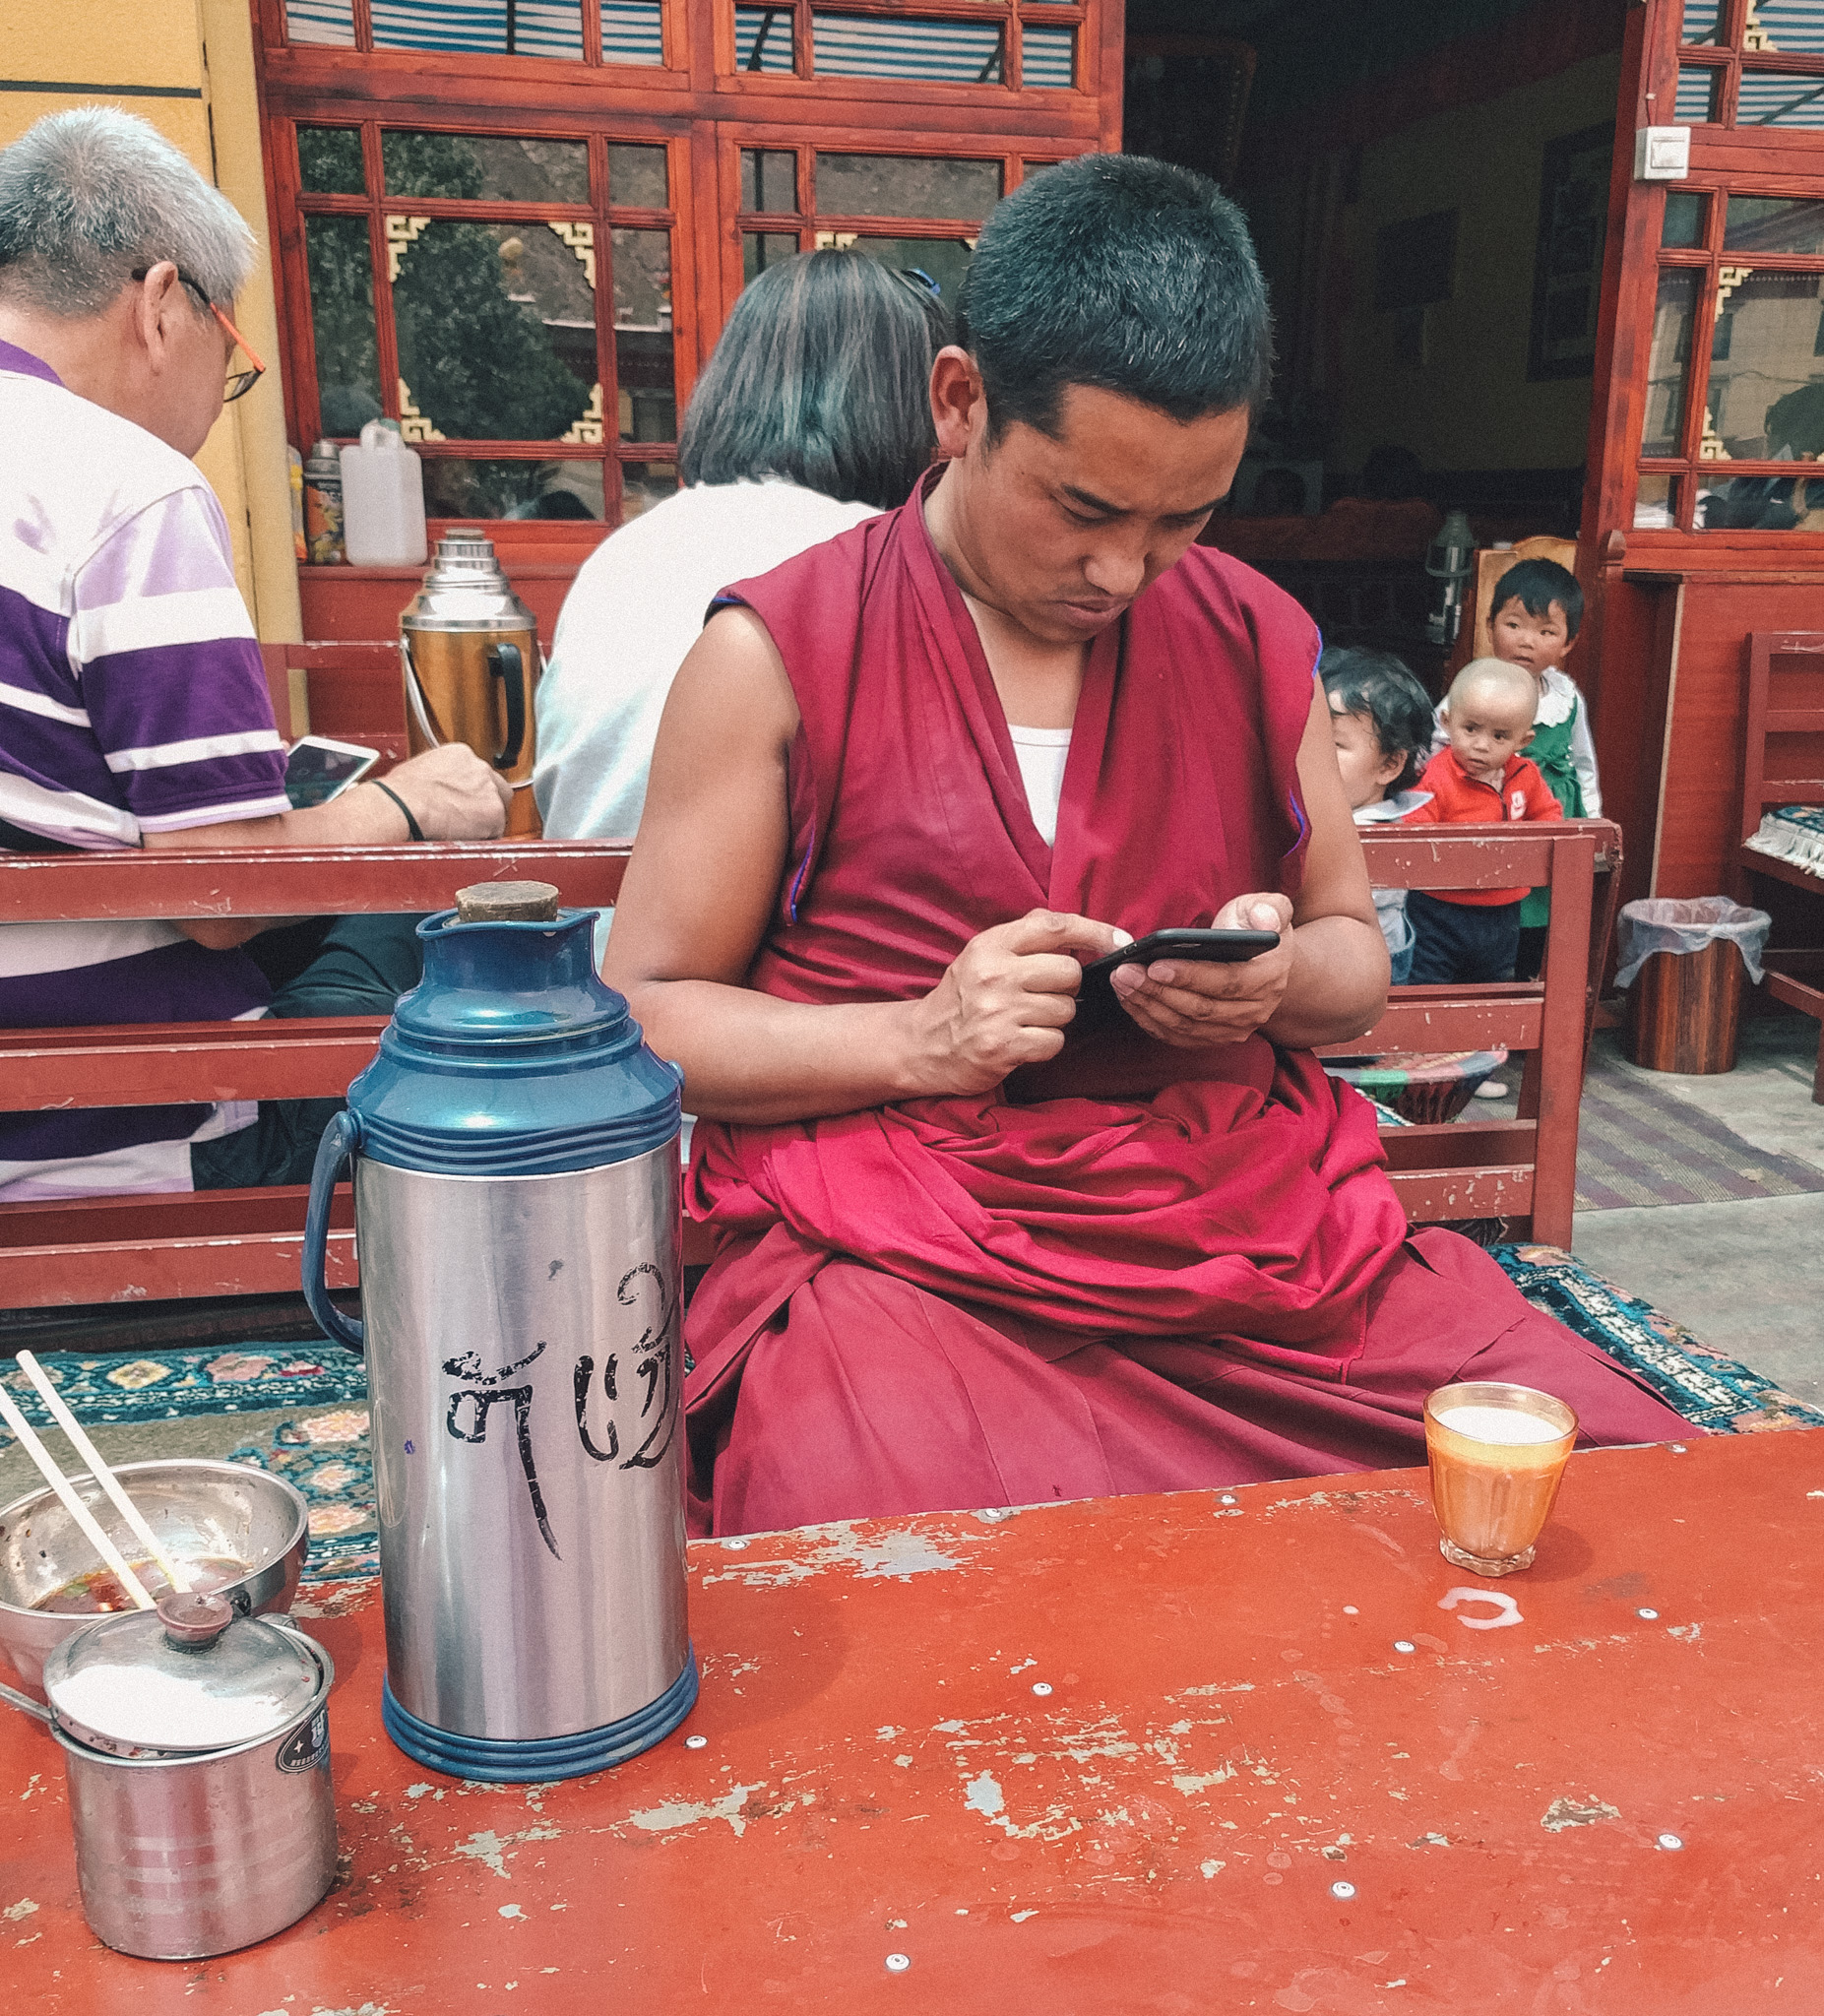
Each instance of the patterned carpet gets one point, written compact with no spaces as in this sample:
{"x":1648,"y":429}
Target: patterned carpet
{"x":302,"y":1413}
{"x":1638,"y":1145}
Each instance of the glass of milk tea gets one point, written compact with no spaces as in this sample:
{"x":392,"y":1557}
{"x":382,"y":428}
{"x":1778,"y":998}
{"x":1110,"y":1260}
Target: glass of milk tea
{"x":1497,"y":1453}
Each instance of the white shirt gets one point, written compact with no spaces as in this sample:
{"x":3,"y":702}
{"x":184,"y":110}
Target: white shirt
{"x":636,"y":608}
{"x":1042,"y":754}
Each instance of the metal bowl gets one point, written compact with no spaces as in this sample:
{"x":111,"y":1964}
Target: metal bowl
{"x":200,"y":1510}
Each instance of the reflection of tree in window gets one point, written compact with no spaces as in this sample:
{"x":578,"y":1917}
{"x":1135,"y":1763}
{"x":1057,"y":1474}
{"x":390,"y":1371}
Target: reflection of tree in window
{"x":495,"y":323}
{"x":342,"y":315}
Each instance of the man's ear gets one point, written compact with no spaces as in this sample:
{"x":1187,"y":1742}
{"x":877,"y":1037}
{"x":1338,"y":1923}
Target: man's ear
{"x":959,"y":406}
{"x":158,"y":300}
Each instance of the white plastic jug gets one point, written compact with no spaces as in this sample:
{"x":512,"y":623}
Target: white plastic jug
{"x":383,"y":501}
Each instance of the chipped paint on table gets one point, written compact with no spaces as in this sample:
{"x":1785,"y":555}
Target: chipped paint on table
{"x":1259,"y":1749}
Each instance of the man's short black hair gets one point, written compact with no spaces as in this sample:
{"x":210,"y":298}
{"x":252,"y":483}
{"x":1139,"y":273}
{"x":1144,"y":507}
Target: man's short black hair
{"x":1121,"y":272}
{"x":1381,"y":690}
{"x":1538,"y":584}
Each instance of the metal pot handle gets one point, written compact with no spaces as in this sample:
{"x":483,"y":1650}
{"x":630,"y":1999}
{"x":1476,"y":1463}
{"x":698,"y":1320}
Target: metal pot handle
{"x":509,"y":668}
{"x":341,"y":1137}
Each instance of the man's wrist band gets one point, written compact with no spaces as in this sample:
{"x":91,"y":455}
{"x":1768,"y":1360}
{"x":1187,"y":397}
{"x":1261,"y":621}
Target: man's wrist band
{"x":413,"y":828}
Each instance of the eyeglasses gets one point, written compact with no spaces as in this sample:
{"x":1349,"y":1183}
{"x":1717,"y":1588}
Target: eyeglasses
{"x":240,"y":383}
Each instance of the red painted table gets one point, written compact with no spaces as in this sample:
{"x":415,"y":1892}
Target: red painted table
{"x":1210,"y":1752}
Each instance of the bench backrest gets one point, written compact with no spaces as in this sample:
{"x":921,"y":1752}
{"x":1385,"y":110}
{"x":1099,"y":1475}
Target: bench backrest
{"x":1782,"y":723}
{"x":243,"y":1243}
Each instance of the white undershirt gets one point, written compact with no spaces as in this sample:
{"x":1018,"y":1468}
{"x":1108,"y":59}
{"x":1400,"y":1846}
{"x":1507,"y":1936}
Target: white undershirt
{"x":1042,"y":754}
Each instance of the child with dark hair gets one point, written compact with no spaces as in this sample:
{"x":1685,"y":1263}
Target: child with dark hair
{"x":1537,"y":612}
{"x":1380,"y":718}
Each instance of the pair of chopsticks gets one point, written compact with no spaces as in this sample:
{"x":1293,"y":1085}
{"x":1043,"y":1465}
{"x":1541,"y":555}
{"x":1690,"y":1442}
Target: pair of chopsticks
{"x":112,"y":1558}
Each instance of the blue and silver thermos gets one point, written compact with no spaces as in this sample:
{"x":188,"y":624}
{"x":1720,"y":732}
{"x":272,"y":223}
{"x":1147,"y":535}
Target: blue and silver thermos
{"x":516,"y":1213}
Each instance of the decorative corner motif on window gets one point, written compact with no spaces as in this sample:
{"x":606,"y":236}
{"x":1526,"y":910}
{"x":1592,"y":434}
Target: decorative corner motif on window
{"x":580,"y":239}
{"x":835,"y":241}
{"x":401,"y":235}
{"x":1711,"y":448}
{"x":1729,"y":279}
{"x":587,"y":430}
{"x":413,"y":424}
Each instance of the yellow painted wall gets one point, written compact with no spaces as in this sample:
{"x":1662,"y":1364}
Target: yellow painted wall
{"x":201,"y":54}
{"x":1470,"y":406}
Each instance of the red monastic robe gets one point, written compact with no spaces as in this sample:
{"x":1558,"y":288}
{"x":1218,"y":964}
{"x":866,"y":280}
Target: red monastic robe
{"x":1137,"y":1268}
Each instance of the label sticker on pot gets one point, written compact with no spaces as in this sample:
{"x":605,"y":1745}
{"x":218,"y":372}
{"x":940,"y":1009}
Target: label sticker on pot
{"x":307,"y":1746}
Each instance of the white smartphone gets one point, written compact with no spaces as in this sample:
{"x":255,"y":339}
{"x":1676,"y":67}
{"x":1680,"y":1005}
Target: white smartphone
{"x":318,"y":769}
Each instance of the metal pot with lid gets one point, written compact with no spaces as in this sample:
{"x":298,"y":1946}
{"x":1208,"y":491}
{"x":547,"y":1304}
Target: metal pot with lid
{"x":196,"y":1745}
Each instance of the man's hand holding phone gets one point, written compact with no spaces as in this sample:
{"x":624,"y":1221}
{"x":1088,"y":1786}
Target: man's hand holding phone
{"x":1199,"y":1006}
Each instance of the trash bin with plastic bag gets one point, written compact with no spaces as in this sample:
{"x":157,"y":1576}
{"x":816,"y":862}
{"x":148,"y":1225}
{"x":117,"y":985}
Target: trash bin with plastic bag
{"x":1681,"y":963}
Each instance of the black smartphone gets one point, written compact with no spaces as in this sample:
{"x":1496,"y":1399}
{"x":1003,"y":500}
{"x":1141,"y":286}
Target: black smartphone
{"x":1097,"y":1004}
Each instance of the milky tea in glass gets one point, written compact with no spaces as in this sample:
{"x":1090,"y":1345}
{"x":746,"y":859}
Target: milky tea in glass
{"x":1497,"y":1453}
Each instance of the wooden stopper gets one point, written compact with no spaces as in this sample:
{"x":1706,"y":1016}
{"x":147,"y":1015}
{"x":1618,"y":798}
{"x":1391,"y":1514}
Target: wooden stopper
{"x":507,"y":903}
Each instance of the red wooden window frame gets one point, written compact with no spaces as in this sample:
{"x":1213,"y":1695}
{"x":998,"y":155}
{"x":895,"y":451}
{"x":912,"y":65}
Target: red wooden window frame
{"x":1727,"y":160}
{"x":702,"y":110}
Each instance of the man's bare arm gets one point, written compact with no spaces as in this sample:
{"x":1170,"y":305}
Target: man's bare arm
{"x":700,"y":892}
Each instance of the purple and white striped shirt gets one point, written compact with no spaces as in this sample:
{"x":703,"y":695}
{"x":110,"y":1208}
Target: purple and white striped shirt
{"x":132,"y":700}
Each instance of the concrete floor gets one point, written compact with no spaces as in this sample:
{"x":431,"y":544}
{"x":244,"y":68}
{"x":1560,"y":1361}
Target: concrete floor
{"x":1747,"y":1277}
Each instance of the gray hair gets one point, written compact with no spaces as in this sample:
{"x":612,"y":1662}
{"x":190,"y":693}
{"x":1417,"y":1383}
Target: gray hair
{"x":88,"y":196}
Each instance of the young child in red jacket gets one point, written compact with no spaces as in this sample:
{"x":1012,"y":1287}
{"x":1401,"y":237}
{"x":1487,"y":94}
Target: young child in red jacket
{"x":1473,"y":934}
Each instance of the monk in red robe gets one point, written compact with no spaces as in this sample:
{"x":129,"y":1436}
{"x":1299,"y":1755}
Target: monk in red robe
{"x":968,"y":1257}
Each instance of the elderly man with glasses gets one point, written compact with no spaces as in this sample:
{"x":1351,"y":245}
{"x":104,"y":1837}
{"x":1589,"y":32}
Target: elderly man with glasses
{"x":133,"y":703}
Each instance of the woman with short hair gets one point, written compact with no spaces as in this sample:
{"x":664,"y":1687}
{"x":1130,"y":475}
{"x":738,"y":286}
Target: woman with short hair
{"x":812,"y":414}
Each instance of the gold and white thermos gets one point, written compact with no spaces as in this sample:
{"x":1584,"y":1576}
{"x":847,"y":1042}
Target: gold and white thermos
{"x":469,"y":651}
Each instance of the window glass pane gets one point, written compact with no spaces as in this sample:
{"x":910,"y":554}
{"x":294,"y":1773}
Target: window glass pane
{"x":496,"y":327}
{"x":644,"y":485}
{"x":632,"y":31}
{"x":1653,"y":505}
{"x":1779,"y":98}
{"x":1696,"y":103}
{"x":901,"y":185}
{"x":328,"y":24}
{"x":643,"y":336}
{"x":760,"y":249}
{"x":1702,"y":19}
{"x":1793,"y":27}
{"x":1684,"y":219}
{"x":1037,"y":168}
{"x":481,"y":28}
{"x":1761,"y":504}
{"x":1774,"y":224}
{"x":466,"y":487}
{"x":329,"y":160}
{"x":951,"y":51}
{"x":637,"y":177}
{"x":1766,"y":389}
{"x":485,"y":165}
{"x":763,"y":40}
{"x":945,"y":260}
{"x":1048,"y":57}
{"x":341,"y":319}
{"x":1666,"y":369}
{"x":769,"y":181}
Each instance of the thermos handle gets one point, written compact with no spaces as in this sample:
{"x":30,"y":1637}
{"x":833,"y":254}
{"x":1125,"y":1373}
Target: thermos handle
{"x":507,"y":665}
{"x":341,"y":1137}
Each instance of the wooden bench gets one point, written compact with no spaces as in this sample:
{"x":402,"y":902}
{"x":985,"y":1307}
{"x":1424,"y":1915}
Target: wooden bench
{"x":230,"y":1242}
{"x":1783,"y":764}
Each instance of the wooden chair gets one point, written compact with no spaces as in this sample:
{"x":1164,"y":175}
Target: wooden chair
{"x":1475,"y":640}
{"x":1783,"y":764}
{"x":231,"y":1242}
{"x":1523,"y":1169}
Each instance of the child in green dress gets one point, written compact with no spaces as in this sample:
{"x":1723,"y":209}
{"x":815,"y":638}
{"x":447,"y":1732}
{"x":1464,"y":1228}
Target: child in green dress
{"x":1537,"y":612}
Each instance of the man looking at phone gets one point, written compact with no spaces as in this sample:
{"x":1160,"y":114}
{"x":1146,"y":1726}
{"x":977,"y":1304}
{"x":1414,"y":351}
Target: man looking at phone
{"x":969,"y":1258}
{"x":133,"y":704}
